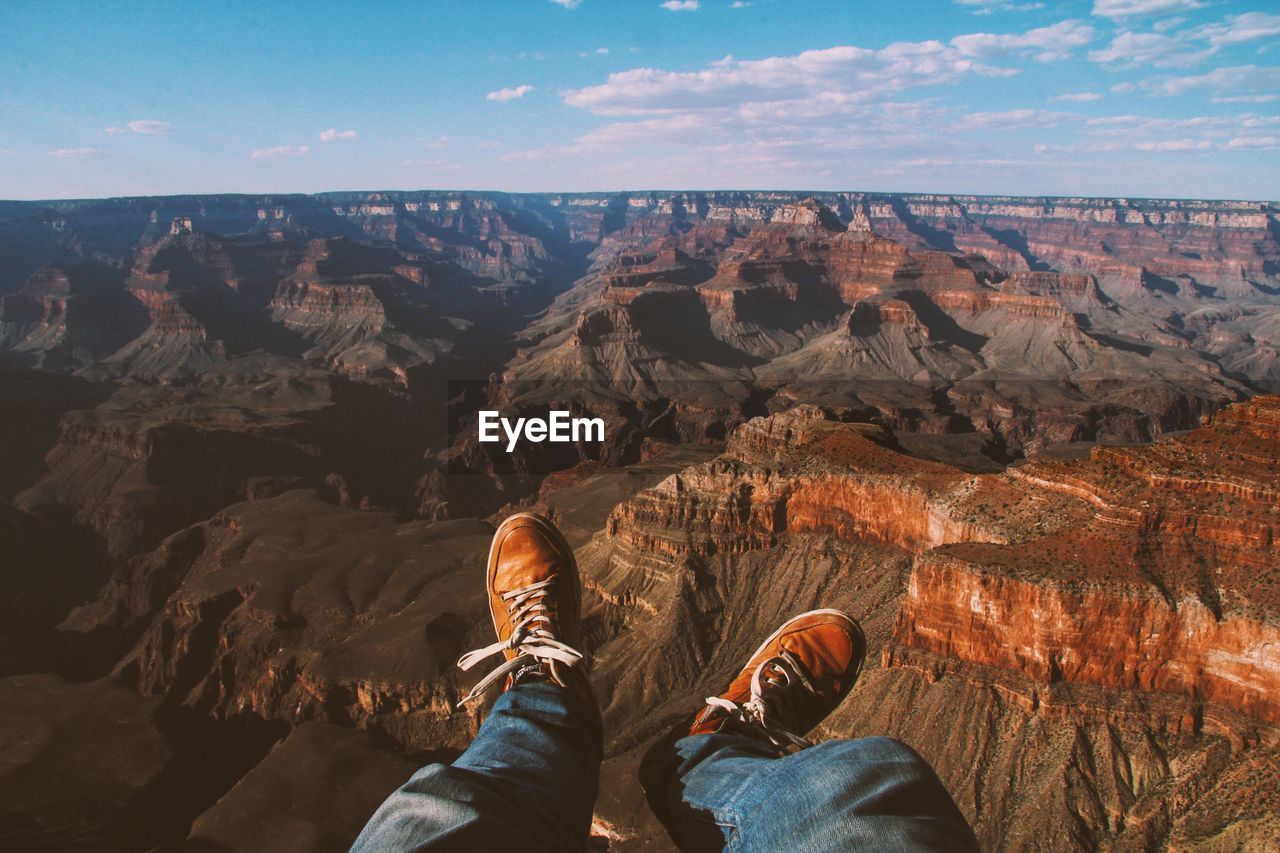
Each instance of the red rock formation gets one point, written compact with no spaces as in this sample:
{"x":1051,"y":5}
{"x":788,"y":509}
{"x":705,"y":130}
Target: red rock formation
{"x":961,"y":605}
{"x":1017,"y":305}
{"x":1113,"y":571}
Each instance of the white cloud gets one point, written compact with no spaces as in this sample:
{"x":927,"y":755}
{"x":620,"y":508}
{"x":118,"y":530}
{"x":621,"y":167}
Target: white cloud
{"x":1169,"y":135}
{"x":333,"y":133}
{"x":1174,"y":145}
{"x":988,"y":7}
{"x":280,"y":151}
{"x":780,"y":116}
{"x":6,"y":152}
{"x":1077,"y":97}
{"x":1128,"y":8}
{"x":74,"y":153}
{"x":144,"y":126}
{"x":568,"y":4}
{"x":149,"y":127}
{"x":511,"y":94}
{"x":739,"y":4}
{"x":680,"y":5}
{"x":1224,"y":79}
{"x":827,"y":81}
{"x":1185,"y":47}
{"x":1046,"y":43}
{"x":436,"y":142}
{"x":439,"y":164}
{"x":1011,"y":119}
{"x":867,"y":115}
{"x":1253,"y":142}
{"x":1240,"y":28}
{"x":1245,"y":99}
{"x":1129,"y":49}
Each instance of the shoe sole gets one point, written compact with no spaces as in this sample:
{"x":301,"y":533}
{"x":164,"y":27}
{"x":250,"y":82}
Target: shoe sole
{"x":544,"y":526}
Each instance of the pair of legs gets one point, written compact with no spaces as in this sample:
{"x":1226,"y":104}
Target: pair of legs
{"x":737,"y":775}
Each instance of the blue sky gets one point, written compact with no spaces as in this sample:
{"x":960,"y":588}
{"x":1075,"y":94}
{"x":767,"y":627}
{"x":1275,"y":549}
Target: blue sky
{"x":1177,"y":98}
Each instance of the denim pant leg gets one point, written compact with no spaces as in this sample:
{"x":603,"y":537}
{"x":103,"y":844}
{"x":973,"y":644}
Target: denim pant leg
{"x":528,"y":781}
{"x":874,"y":793}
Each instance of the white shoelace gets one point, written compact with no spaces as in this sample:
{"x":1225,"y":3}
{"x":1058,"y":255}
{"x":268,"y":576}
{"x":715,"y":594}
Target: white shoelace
{"x":530,"y":619}
{"x":784,"y":676}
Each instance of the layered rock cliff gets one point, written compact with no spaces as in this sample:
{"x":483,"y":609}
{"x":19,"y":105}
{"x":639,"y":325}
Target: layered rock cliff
{"x":242,"y":487}
{"x":1120,"y":599}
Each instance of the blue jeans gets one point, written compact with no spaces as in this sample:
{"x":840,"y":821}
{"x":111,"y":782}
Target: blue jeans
{"x":528,"y":782}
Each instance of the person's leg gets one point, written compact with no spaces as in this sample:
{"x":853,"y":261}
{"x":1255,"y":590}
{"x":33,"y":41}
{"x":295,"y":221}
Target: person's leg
{"x":735,"y":792}
{"x":528,"y":779}
{"x":725,"y":779}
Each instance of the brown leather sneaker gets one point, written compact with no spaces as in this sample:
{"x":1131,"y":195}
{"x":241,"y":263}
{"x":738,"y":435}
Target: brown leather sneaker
{"x":534,"y":599}
{"x":793,"y":681}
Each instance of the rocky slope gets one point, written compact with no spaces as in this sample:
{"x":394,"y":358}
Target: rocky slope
{"x":1118,"y":611}
{"x":745,"y":309}
{"x":1110,"y":621}
{"x":245,"y":506}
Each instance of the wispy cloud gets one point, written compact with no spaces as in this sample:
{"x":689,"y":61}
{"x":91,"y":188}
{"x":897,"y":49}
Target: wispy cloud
{"x":814,"y":82}
{"x":1130,"y":49}
{"x":1012,"y":119}
{"x":786,"y":114}
{"x":568,"y":4}
{"x":1174,"y":145}
{"x":333,"y":134}
{"x":1171,"y":135}
{"x":6,"y":152}
{"x":1237,"y":29}
{"x":1245,"y":99}
{"x":1254,"y":142}
{"x":1045,"y":43}
{"x":432,"y":163}
{"x":280,"y":151}
{"x":1077,"y":97}
{"x":1240,"y":78}
{"x":144,"y":126}
{"x":989,"y":7}
{"x":1132,"y":8}
{"x":680,"y":5}
{"x":511,"y":94}
{"x":1188,"y":46}
{"x":74,"y":153}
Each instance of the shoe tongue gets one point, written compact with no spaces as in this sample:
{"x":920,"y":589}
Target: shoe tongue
{"x":534,"y":671}
{"x":778,"y":672}
{"x":797,"y":671}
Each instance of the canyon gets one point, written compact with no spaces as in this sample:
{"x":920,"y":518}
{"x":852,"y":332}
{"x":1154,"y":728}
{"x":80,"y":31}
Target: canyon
{"x":1032,"y":444}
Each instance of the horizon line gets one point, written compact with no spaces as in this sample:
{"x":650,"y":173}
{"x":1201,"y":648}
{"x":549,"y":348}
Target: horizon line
{"x":632,"y":192}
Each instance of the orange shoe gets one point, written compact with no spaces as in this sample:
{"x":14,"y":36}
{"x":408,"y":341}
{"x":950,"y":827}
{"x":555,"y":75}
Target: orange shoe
{"x":534,"y":599}
{"x":793,"y":681}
